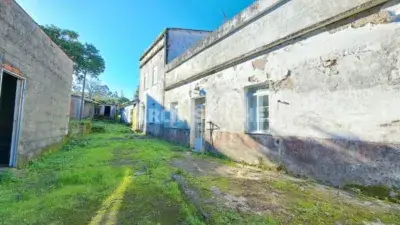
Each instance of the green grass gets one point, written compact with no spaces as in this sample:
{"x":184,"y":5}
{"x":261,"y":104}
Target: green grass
{"x":73,"y":185}
{"x":113,"y":176}
{"x":309,"y":206}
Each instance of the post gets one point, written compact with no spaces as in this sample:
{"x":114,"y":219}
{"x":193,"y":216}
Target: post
{"x":82,"y":97}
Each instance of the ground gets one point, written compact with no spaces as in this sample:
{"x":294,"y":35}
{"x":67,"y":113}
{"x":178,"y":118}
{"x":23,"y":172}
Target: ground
{"x":117,"y":177}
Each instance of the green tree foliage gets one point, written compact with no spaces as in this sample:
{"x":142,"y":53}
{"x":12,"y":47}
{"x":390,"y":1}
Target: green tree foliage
{"x":86,"y":56}
{"x":93,"y":63}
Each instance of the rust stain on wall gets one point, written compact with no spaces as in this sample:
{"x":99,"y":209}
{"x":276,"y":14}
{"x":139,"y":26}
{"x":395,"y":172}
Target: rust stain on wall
{"x":12,"y":69}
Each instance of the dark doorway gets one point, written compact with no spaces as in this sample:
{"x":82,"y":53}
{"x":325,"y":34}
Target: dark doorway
{"x":107,"y":111}
{"x":7,"y":106}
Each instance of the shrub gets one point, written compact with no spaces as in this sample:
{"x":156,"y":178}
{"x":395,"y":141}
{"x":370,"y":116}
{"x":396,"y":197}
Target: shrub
{"x":77,"y":128}
{"x":98,"y":128}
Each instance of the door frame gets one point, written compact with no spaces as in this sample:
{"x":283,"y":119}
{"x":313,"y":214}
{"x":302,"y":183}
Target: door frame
{"x":193,"y":121}
{"x":18,"y":113}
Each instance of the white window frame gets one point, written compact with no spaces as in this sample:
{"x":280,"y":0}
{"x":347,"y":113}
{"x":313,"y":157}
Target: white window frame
{"x":155,"y":75}
{"x":262,"y":90}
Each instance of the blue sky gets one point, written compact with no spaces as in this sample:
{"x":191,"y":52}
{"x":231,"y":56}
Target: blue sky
{"x":123,"y":29}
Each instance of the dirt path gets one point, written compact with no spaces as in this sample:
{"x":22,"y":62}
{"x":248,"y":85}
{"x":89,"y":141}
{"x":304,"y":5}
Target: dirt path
{"x":251,"y":191}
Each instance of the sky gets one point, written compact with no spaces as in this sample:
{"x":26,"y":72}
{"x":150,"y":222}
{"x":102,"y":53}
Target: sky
{"x":123,"y":29}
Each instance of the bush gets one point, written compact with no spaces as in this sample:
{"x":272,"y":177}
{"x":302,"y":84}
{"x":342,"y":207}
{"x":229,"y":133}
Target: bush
{"x":98,"y":128}
{"x":125,"y":130}
{"x":78,"y":128}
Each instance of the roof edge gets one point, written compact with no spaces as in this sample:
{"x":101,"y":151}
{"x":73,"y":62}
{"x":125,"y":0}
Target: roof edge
{"x":163,"y":34}
{"x":154,"y":44}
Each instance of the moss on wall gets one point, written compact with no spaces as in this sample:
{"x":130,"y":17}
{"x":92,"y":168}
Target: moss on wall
{"x":24,"y":159}
{"x":77,"y":128}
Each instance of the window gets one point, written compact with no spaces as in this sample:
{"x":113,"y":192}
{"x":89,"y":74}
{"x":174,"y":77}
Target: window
{"x":257,"y":110}
{"x":145,"y":81}
{"x":155,"y":77}
{"x":174,"y":114}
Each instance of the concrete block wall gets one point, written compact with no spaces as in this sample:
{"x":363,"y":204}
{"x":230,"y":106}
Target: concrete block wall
{"x":48,"y":73}
{"x":334,"y":91}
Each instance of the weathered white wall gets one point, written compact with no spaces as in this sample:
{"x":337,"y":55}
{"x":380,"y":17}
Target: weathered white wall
{"x":276,"y":24}
{"x":353,"y":98}
{"x":179,"y":40}
{"x":127,"y":113}
{"x":152,"y":97}
{"x":341,"y":82}
{"x":358,"y":92}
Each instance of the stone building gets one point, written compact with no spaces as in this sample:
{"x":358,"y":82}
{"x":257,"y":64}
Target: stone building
{"x":171,"y":43}
{"x":313,"y":86}
{"x":35,"y":84}
{"x":75,"y":107}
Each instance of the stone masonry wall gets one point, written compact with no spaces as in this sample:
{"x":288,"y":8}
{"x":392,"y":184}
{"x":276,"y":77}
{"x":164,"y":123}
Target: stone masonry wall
{"x":334,"y":99}
{"x":48,"y":72}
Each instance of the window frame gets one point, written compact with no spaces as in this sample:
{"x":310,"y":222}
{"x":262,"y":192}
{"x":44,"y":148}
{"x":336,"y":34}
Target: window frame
{"x":155,"y":76}
{"x":262,"y":88}
{"x":145,"y":82}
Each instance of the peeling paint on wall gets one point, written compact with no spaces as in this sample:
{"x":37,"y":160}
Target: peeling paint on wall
{"x":259,"y":63}
{"x":332,"y":96}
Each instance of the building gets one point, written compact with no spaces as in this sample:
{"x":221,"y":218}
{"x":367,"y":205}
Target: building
{"x":128,"y":113}
{"x":88,"y":107}
{"x":106,"y":110}
{"x":313,"y":86}
{"x":35,"y":83}
{"x":170,"y":44}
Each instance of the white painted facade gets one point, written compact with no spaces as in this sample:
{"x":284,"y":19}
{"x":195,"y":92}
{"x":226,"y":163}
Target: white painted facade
{"x":331,"y":74}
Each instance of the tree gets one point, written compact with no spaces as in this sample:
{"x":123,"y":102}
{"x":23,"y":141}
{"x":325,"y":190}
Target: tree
{"x":87,"y":58}
{"x":68,"y":41}
{"x":92,"y":63}
{"x":94,"y":88}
